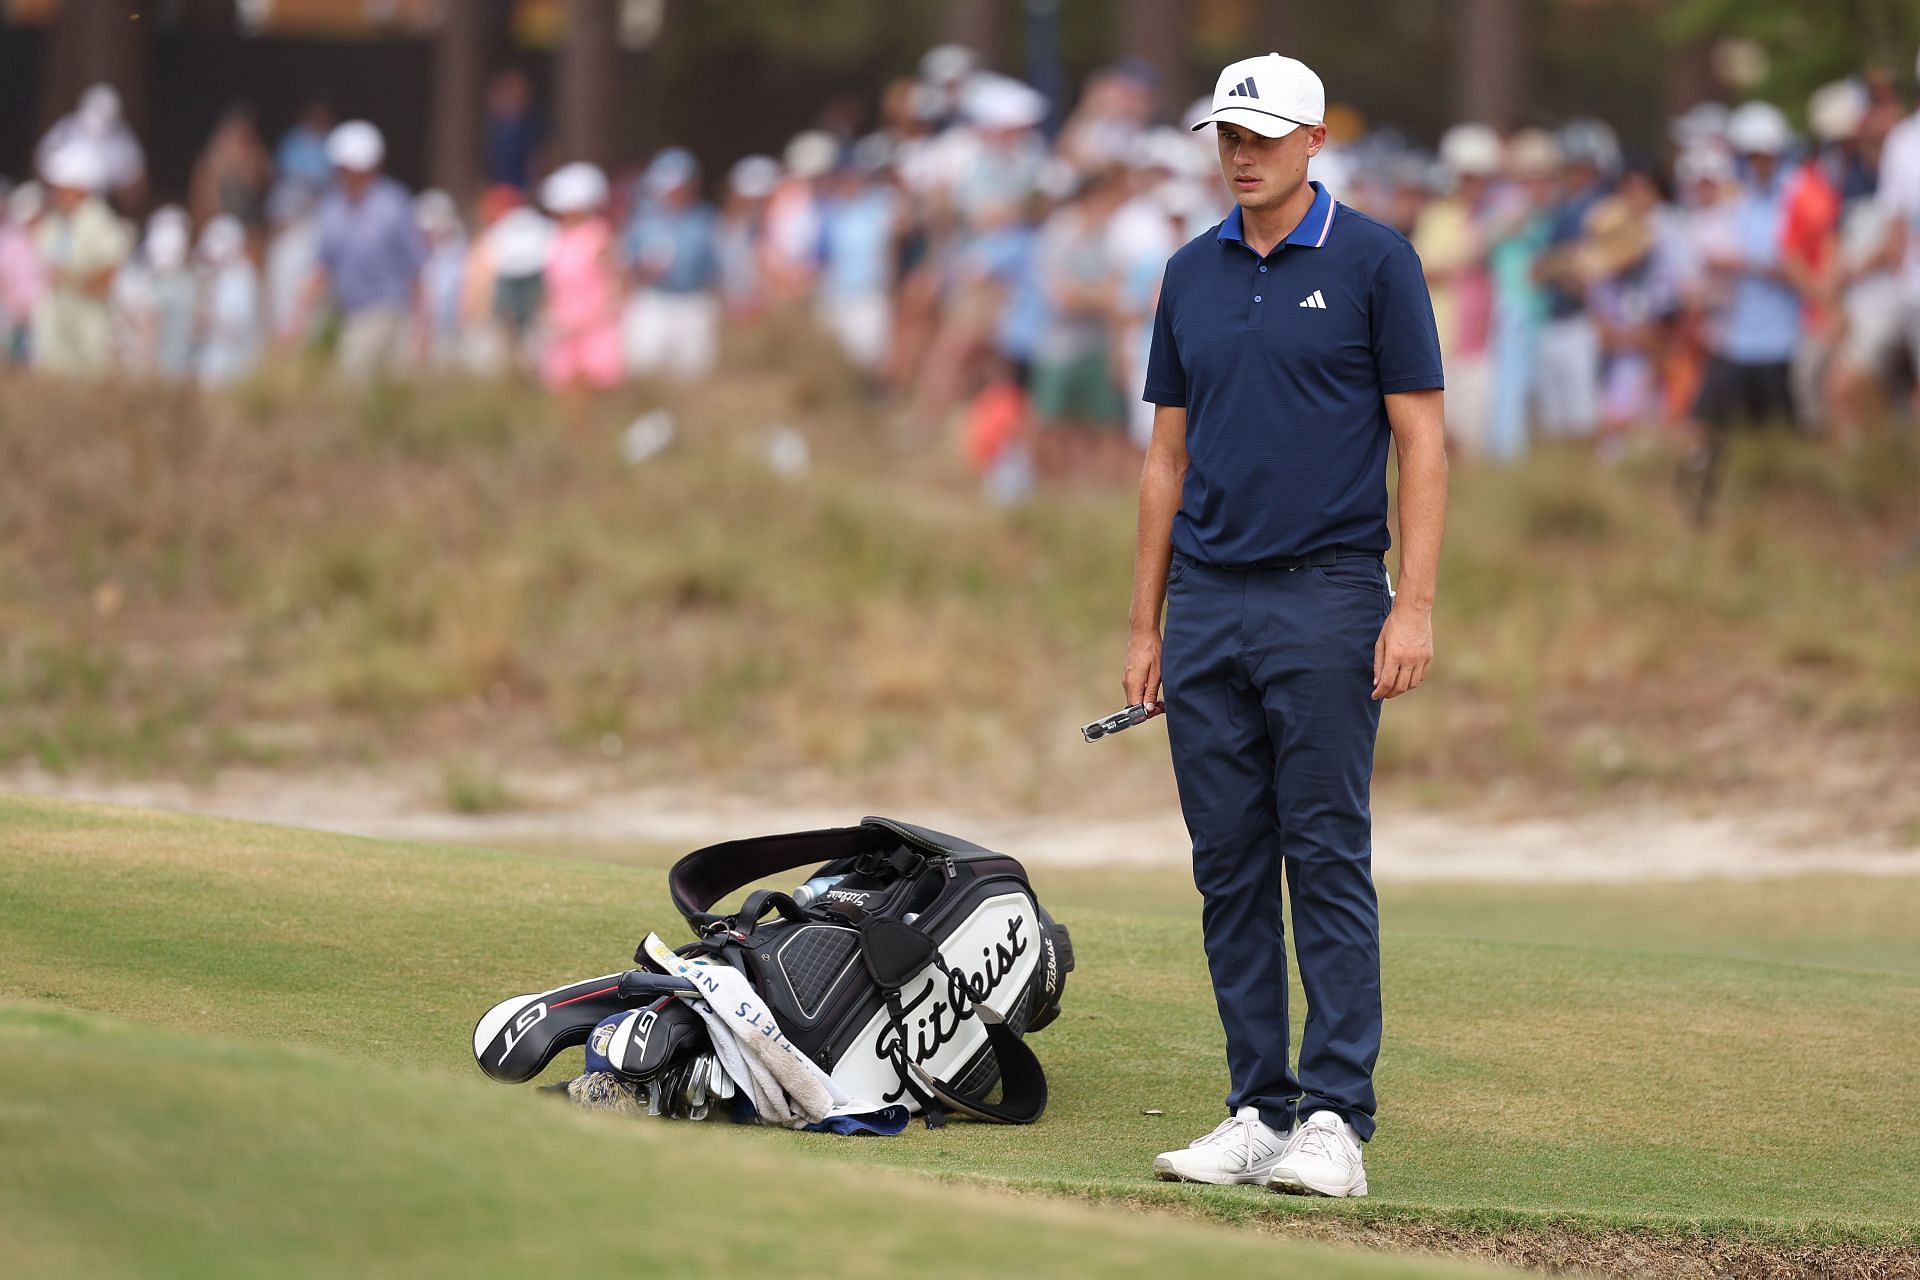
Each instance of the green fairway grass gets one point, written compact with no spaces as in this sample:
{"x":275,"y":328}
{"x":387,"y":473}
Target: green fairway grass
{"x":129,"y":1151}
{"x":1734,"y":1062}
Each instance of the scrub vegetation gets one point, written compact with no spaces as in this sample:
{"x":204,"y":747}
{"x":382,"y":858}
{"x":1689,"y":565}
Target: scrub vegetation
{"x":1681,"y":1079}
{"x":299,"y":575}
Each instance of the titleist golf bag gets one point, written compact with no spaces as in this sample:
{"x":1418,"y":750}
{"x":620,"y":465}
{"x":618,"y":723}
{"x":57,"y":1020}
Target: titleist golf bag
{"x":909,"y":973}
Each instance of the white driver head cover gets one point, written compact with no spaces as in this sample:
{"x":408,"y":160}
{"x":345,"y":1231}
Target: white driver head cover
{"x":1271,"y":95}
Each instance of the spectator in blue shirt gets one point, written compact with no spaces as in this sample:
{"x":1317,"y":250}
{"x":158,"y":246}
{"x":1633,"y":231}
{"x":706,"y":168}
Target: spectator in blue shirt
{"x":370,"y":256}
{"x":513,"y":131}
{"x":859,"y":216}
{"x":301,"y":155}
{"x":1569,"y":369}
{"x":672,"y":322}
{"x":1748,"y":380}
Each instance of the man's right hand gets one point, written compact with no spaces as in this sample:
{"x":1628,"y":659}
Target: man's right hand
{"x":1142,"y":680}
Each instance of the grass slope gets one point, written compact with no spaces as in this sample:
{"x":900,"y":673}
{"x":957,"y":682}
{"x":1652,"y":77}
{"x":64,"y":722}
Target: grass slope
{"x":1540,"y":1073}
{"x":126,"y":1151}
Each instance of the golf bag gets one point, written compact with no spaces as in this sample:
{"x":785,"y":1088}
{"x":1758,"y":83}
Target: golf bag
{"x":908,"y":972}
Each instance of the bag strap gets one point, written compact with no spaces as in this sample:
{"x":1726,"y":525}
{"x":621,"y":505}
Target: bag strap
{"x":707,"y":875}
{"x":1023,"y":1082}
{"x":894,"y":952}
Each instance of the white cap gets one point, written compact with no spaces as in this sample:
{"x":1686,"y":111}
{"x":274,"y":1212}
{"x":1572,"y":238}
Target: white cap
{"x":1701,"y":123}
{"x":78,"y":166}
{"x":100,"y":106}
{"x":1590,"y":142}
{"x":223,"y":239}
{"x":1471,"y":150}
{"x":1269,"y":95}
{"x":1836,"y":111}
{"x":520,"y":242}
{"x":1703,"y":164}
{"x":1000,"y":102}
{"x":166,"y":245}
{"x":1758,"y":128}
{"x":754,"y":177}
{"x":811,"y":154}
{"x":356,"y":146}
{"x":574,"y":188}
{"x":672,"y":168}
{"x":436,"y":213}
{"x":947,"y":64}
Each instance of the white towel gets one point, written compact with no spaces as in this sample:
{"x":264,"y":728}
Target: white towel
{"x":810,"y":1093}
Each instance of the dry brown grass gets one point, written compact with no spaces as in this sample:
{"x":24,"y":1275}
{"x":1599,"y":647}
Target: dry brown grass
{"x":302,"y":574}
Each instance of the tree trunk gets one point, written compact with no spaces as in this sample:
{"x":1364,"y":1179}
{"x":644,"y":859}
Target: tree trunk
{"x":586,"y":82}
{"x":1155,"y":31}
{"x":975,"y":25}
{"x":1273,"y":27}
{"x":1687,"y":77}
{"x":460,"y":52}
{"x":95,"y":42}
{"x":1492,"y":62}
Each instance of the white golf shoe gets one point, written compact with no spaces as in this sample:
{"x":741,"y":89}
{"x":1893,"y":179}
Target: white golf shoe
{"x":1241,"y":1150}
{"x":1322,"y":1159}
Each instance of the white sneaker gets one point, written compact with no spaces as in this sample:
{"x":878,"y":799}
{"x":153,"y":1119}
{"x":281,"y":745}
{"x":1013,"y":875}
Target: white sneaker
{"x":1322,"y":1159}
{"x":1241,"y":1150}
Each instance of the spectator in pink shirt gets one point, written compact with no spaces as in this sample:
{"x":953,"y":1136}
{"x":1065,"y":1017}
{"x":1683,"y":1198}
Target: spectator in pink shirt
{"x":583,"y":284}
{"x":22,"y":279}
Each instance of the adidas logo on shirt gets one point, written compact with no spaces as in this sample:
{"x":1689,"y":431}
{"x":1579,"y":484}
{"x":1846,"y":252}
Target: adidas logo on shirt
{"x":1245,"y":89}
{"x":1314,"y":301}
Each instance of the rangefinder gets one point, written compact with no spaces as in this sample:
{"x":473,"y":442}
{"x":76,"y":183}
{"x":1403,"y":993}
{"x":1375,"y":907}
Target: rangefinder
{"x":1125,"y":718}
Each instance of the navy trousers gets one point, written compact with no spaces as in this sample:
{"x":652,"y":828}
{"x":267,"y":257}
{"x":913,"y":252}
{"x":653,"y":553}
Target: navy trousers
{"x":1268,"y":680}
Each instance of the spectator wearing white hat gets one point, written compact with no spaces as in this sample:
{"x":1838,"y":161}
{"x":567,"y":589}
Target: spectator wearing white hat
{"x":860,"y":218}
{"x":231,"y":311}
{"x":1866,"y":275}
{"x":504,"y":281}
{"x":1451,"y":236}
{"x":1518,"y":233}
{"x":1569,"y":384}
{"x":99,"y":124}
{"x":81,"y":245}
{"x":998,"y":160}
{"x":1899,"y":199}
{"x":1814,"y":205}
{"x":582,"y":317}
{"x":293,"y":252}
{"x":740,"y":235}
{"x":672,"y":321}
{"x":370,"y":255}
{"x":156,"y":302}
{"x":442,"y":276}
{"x":790,"y":239}
{"x":1748,"y":378}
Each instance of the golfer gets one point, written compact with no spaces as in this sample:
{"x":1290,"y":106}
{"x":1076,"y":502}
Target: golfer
{"x":1291,"y":342}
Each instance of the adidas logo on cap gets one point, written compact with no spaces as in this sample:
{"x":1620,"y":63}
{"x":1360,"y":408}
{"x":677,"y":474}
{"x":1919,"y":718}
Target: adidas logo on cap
{"x":1245,"y":89}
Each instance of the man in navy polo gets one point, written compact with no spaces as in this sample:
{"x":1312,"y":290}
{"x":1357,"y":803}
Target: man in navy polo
{"x":1292,"y":342}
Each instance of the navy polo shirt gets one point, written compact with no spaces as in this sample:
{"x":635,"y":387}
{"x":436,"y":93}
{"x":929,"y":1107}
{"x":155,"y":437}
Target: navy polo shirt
{"x":1282,"y":364}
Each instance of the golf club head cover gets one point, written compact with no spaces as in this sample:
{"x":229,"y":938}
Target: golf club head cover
{"x":516,"y":1039}
{"x":641,"y":1043}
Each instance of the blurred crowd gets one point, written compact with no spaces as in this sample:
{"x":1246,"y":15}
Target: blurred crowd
{"x":988,"y":257}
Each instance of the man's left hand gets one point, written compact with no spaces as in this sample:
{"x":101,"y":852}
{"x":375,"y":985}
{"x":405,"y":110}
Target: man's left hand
{"x":1403,"y":652}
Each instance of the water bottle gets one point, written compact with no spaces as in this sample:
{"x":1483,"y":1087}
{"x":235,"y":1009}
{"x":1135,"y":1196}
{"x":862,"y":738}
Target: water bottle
{"x":816,"y":889}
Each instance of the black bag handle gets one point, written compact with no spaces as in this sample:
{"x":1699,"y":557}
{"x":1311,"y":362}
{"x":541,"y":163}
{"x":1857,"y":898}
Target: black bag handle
{"x":707,"y":875}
